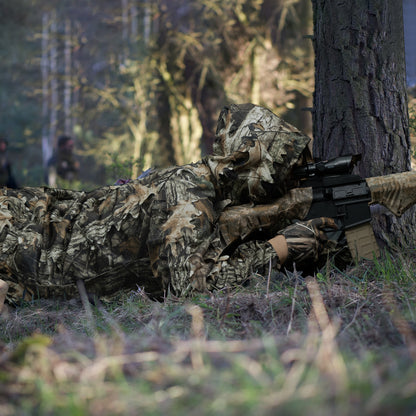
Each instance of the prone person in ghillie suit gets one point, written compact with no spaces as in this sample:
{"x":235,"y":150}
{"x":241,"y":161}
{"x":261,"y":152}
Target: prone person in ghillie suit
{"x":160,"y":232}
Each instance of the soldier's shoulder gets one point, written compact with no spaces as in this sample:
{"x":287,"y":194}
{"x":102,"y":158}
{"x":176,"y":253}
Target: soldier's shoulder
{"x":191,"y":172}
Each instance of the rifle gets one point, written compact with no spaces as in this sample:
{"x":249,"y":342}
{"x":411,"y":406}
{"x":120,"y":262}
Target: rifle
{"x":326,"y":189}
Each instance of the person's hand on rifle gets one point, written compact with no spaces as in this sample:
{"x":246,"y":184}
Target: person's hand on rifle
{"x":302,"y":241}
{"x":4,"y":287}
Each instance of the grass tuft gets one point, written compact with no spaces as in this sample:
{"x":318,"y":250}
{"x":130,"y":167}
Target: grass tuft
{"x":335,"y":343}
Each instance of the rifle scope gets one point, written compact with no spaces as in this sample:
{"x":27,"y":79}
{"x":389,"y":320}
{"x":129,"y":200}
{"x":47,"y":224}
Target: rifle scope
{"x":337,"y":166}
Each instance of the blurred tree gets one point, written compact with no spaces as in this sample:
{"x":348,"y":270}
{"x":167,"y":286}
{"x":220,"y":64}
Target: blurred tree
{"x":145,"y":78}
{"x":19,"y":116}
{"x":217,"y":52}
{"x":191,"y":58}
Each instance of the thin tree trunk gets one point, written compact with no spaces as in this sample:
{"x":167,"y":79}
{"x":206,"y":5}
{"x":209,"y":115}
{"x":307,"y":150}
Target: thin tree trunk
{"x":134,"y":27}
{"x":125,"y":26}
{"x":146,"y":22}
{"x":186,"y":130}
{"x":303,"y":100}
{"x":165,"y":156}
{"x":68,"y":83}
{"x":360,"y":100}
{"x":76,"y":74}
{"x":46,"y":145}
{"x":54,"y":81}
{"x":254,"y":70}
{"x":139,"y":131}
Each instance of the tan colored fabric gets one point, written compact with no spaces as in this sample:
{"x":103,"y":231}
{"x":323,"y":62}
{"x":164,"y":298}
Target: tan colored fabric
{"x":4,"y":288}
{"x":397,"y":191}
{"x":279,"y":245}
{"x":160,"y":232}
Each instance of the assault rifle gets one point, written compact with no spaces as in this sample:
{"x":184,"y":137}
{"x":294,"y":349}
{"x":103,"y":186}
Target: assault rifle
{"x":326,"y":189}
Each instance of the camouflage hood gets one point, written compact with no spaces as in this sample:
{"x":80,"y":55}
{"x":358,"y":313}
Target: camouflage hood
{"x":254,"y":152}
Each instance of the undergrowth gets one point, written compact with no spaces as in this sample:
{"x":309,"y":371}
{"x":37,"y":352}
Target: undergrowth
{"x":340,"y":342}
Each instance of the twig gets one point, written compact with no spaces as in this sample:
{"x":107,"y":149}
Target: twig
{"x":85,"y":303}
{"x":227,"y":308}
{"x":268,"y":277}
{"x":292,"y":311}
{"x":328,"y":359}
{"x":197,"y":330}
{"x":182,"y":349}
{"x":358,"y":309}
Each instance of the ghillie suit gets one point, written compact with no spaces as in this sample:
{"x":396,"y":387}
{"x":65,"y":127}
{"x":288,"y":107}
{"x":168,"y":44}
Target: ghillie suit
{"x":159,"y":232}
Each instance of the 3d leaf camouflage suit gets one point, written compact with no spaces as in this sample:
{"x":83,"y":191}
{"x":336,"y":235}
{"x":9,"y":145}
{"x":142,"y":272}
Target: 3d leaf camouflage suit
{"x":159,"y":232}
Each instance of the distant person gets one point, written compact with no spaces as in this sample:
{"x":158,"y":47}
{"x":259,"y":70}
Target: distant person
{"x":63,"y":164}
{"x":6,"y":176}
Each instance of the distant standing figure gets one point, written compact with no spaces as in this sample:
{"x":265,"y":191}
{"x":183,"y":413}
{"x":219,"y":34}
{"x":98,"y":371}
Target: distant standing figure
{"x":6,"y":176}
{"x":63,"y":163}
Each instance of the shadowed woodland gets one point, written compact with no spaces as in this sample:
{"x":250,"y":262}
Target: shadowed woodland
{"x":141,"y":83}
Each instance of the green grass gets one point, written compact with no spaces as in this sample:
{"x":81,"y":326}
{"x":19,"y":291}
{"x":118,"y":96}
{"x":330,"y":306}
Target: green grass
{"x":341,"y":343}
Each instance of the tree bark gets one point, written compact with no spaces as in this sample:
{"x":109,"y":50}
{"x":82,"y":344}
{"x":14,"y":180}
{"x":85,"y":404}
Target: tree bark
{"x":360,"y":99}
{"x":166,"y":154}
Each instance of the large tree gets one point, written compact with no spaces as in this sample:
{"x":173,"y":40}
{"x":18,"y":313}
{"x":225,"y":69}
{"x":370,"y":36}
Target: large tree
{"x":360,"y":100}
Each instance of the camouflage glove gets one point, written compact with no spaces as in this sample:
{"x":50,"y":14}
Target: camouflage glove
{"x":306,"y":240}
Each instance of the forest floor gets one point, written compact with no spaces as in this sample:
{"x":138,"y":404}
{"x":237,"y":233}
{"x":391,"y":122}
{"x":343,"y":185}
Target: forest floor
{"x":338,"y":343}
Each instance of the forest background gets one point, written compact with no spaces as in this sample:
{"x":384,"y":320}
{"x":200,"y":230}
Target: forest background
{"x":141,"y":83}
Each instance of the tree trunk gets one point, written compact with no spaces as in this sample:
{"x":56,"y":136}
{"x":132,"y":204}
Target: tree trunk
{"x":134,"y":27}
{"x":46,"y":145}
{"x":125,"y":28}
{"x":360,"y":99}
{"x":53,"y":121}
{"x":147,"y":21}
{"x":166,"y":155}
{"x":68,"y":83}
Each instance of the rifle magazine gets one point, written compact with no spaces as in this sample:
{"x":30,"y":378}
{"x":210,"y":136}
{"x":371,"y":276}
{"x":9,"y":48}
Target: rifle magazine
{"x":362,"y":242}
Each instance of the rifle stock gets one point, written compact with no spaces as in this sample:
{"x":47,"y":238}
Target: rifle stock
{"x":397,"y":192}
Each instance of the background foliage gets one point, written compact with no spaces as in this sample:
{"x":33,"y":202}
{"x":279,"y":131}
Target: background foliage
{"x":144,"y":79}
